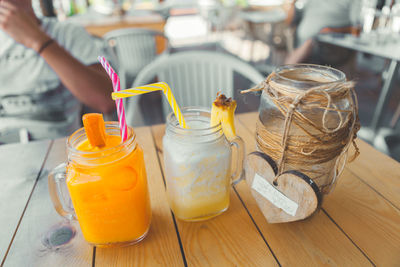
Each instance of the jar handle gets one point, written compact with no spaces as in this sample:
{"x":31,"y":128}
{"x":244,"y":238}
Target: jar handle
{"x":59,"y":193}
{"x":240,"y":151}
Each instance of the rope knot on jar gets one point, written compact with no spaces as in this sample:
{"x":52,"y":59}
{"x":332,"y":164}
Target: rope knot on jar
{"x":308,"y":119}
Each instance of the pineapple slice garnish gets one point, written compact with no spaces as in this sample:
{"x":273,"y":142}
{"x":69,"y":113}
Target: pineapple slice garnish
{"x":222,"y":111}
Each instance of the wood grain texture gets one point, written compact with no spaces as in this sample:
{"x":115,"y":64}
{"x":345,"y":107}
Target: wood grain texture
{"x":369,"y":220}
{"x":160,"y":247}
{"x":361,"y":215}
{"x":20,"y":167}
{"x":376,"y":169}
{"x":230,"y":239}
{"x":312,"y":242}
{"x":40,"y":216}
{"x":366,"y":217}
{"x":379,"y":171}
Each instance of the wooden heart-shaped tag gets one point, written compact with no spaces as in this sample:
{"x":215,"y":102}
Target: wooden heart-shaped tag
{"x":294,"y":197}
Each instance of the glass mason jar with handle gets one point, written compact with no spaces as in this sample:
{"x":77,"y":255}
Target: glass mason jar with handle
{"x":107,"y":187}
{"x":198,"y":167}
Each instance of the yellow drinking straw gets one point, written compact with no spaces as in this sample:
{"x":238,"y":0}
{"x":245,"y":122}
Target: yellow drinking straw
{"x":160,"y":86}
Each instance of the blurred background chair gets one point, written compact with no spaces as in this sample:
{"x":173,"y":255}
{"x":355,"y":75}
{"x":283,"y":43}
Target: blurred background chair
{"x":267,"y":26}
{"x":134,"y":48}
{"x":195,"y":78}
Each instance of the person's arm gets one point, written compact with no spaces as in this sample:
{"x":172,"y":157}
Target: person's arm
{"x":300,"y":54}
{"x":89,"y":84}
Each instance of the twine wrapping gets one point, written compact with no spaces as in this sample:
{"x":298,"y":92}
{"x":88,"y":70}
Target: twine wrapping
{"x":319,"y":141}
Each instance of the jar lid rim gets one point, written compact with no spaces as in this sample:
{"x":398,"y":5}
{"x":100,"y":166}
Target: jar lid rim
{"x":341,"y":77}
{"x":109,"y":125}
{"x":172,"y":121}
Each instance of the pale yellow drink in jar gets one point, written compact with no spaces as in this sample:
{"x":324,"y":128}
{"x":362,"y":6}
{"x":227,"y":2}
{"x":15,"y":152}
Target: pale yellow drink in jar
{"x":198,"y":172}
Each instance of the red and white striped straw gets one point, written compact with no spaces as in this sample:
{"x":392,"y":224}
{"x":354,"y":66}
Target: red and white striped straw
{"x":120,"y":105}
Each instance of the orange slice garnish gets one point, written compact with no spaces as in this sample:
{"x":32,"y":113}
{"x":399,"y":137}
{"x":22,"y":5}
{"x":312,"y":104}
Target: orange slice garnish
{"x":95,"y":129}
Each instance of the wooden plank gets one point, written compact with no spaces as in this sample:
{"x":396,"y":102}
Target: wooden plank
{"x":315,"y":241}
{"x":379,"y":171}
{"x":376,"y":169}
{"x":101,"y":30}
{"x":248,"y":119}
{"x":40,"y":217}
{"x":229,"y":239}
{"x":369,"y":220}
{"x":20,"y":165}
{"x":98,"y":26}
{"x":160,"y":247}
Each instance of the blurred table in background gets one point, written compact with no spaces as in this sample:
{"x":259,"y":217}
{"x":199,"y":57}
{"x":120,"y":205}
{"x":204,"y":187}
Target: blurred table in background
{"x":98,"y":24}
{"x":267,"y":21}
{"x":374,"y":46}
{"x":389,"y":50}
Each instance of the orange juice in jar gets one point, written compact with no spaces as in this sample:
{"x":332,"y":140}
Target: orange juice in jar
{"x":107,"y":186}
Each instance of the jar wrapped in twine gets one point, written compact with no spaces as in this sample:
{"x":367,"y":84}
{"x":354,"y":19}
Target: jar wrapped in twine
{"x":308,"y":118}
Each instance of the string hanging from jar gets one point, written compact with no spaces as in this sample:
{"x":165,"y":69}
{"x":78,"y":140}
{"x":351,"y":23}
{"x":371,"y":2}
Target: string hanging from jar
{"x":319,"y":142}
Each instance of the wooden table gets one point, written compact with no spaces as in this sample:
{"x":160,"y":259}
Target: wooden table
{"x":98,"y":25}
{"x":358,"y":225}
{"x":388,"y":50}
